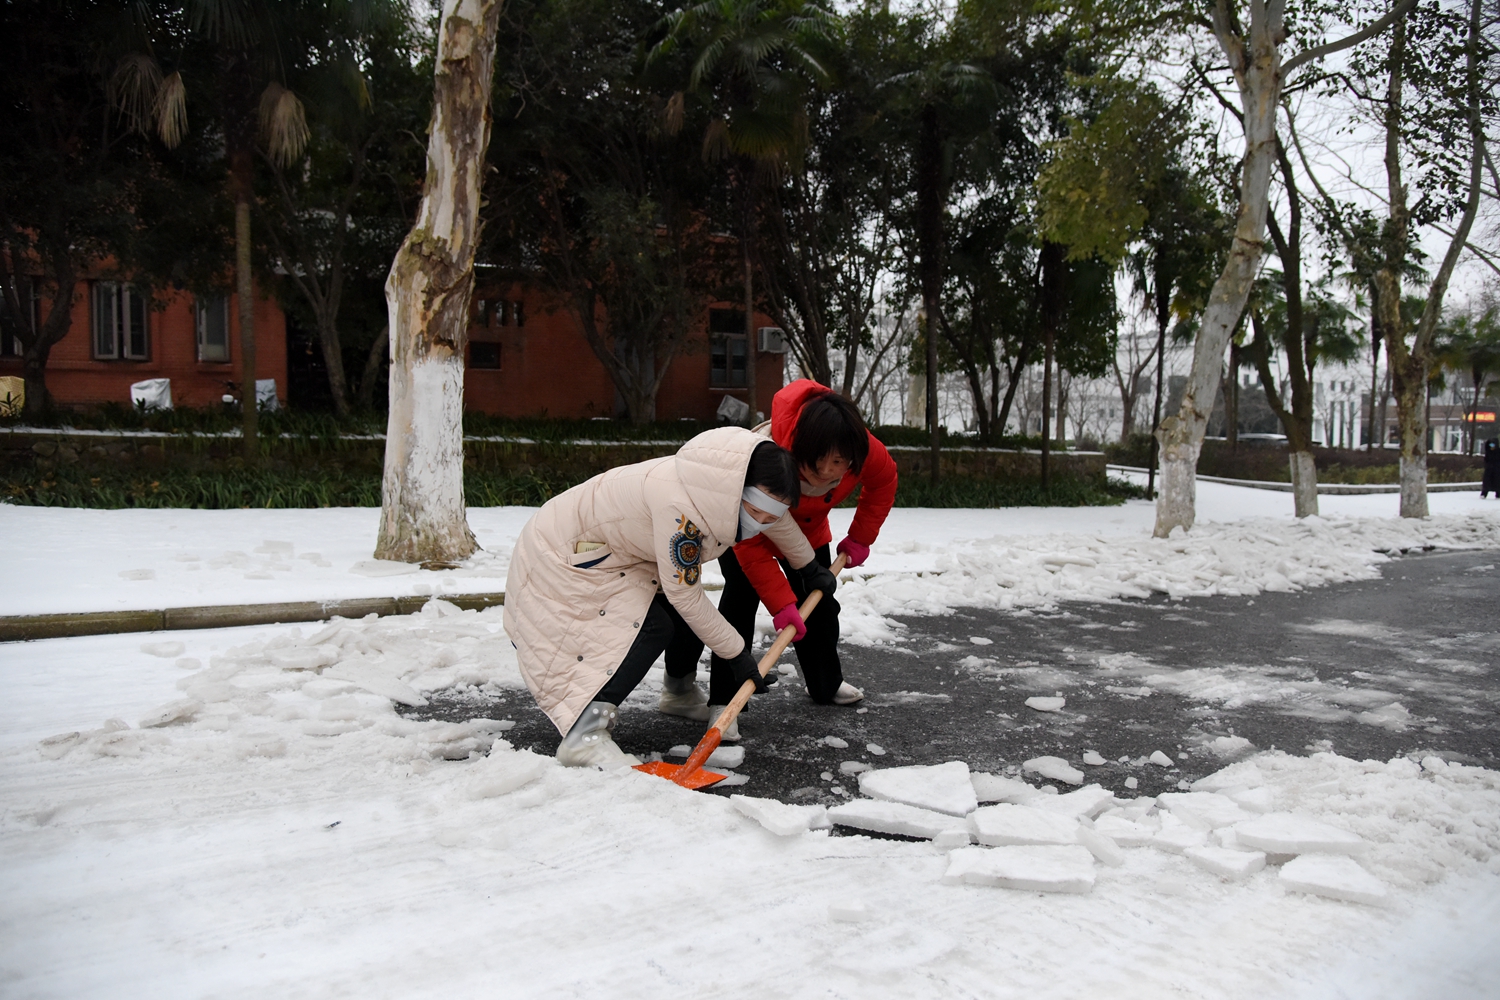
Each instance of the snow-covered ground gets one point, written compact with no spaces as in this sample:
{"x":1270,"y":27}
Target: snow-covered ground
{"x":67,"y":560}
{"x":244,"y":812}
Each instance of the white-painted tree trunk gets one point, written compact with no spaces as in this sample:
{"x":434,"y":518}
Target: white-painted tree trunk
{"x":1256,"y":61}
{"x":423,"y":514}
{"x":1304,"y":483}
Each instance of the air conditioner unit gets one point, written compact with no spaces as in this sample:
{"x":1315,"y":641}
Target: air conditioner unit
{"x":771,"y":340}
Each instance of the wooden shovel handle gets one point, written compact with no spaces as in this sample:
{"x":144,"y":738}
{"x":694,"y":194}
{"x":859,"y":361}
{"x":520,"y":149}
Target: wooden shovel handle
{"x":710,"y":741}
{"x":783,"y":640}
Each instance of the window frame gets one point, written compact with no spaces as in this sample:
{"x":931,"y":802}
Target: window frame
{"x":722,"y":343}
{"x":126,"y":328}
{"x":201,"y":307}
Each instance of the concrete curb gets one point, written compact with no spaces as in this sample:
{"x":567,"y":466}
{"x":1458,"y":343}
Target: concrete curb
{"x":1333,"y":489}
{"x":20,"y":628}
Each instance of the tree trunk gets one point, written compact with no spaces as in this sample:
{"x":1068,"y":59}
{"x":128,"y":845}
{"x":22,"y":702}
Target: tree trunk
{"x":1047,"y":350}
{"x":1304,"y":483}
{"x":333,"y":359}
{"x":1232,"y":400}
{"x":423,"y":515}
{"x":1052,"y":260}
{"x":750,"y":345}
{"x":378,"y":350}
{"x":929,"y":244}
{"x":1256,"y":62}
{"x":245,"y":291}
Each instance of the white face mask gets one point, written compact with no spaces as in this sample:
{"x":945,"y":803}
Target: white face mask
{"x":749,"y":526}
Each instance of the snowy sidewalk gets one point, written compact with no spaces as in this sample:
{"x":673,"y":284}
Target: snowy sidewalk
{"x":66,"y":560}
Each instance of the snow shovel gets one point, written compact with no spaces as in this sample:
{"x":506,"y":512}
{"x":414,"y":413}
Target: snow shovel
{"x":691,"y":774}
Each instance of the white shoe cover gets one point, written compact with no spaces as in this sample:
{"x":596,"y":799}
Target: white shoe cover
{"x":691,"y":704}
{"x":590,"y":742}
{"x":732,"y":734}
{"x":848,"y":694}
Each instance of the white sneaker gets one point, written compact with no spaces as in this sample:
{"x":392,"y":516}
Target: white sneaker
{"x":848,"y":694}
{"x":732,"y":734}
{"x":684,"y":698}
{"x":590,"y":743}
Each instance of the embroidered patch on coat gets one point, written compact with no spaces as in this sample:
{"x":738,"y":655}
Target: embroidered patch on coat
{"x":687,"y":549}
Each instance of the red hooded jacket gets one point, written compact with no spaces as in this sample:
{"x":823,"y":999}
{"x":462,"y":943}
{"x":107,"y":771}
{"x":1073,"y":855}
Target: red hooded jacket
{"x":758,"y":555}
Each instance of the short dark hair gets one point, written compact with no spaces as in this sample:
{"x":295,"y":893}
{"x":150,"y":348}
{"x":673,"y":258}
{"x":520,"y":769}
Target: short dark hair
{"x":830,"y":423}
{"x":773,"y":471}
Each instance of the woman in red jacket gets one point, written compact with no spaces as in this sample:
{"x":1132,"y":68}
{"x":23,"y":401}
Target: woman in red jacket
{"x":835,"y":454}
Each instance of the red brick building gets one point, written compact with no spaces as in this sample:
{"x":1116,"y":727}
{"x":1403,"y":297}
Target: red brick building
{"x":119,"y":336}
{"x":528,"y":358}
{"x":527,"y":354}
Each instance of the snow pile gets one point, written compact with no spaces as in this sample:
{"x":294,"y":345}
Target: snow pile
{"x":1243,"y":558}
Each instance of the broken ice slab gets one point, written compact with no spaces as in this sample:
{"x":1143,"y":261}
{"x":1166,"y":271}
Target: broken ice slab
{"x":1256,"y":800}
{"x":1090,"y":801}
{"x":1126,"y":832}
{"x":1035,"y":869}
{"x":1243,"y":775}
{"x":1046,"y":704}
{"x":891,"y":817}
{"x":781,"y":818}
{"x":1286,"y":833}
{"x":1101,"y":846}
{"x":944,"y":788}
{"x":854,"y":766}
{"x":723,"y":756}
{"x":1160,"y":759}
{"x":1226,"y":863}
{"x":1093,"y":758}
{"x":1334,"y":877}
{"x":1005,"y":825}
{"x":998,"y":788}
{"x":1175,"y":837}
{"x":1205,"y":810}
{"x":1055,"y":768}
{"x":949,"y":839}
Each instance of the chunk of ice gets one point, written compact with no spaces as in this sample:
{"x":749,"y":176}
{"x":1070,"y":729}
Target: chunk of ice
{"x":1004,"y":825}
{"x":1101,"y":846}
{"x":836,"y":743}
{"x":941,"y":787}
{"x":1176,"y":839}
{"x":780,"y":818}
{"x":950,"y":839}
{"x":1125,"y":832}
{"x":1035,"y":869}
{"x":503,"y":771}
{"x":853,"y":766}
{"x":726,"y":756}
{"x":1093,"y":758}
{"x":1055,"y":768}
{"x":1043,"y":704}
{"x":1090,"y":801}
{"x":980,"y":640}
{"x":1256,"y":800}
{"x":1286,"y":833}
{"x":998,"y":788}
{"x":1243,"y":775}
{"x":1205,"y":810}
{"x":163,"y":649}
{"x":1334,"y":877}
{"x":890,"y":817}
{"x":1157,"y":757}
{"x":875,"y":748}
{"x":1226,"y":863}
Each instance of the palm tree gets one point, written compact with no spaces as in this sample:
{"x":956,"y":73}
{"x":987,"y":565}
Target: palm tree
{"x":750,"y":63}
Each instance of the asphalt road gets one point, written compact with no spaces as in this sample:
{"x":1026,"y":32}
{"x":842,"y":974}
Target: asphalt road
{"x":1408,"y":664}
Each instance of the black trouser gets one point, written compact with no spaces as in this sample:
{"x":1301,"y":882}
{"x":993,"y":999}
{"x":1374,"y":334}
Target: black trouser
{"x":817,"y":652}
{"x":662,"y":630}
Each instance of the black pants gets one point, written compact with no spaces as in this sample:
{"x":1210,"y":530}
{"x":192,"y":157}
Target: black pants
{"x":662,"y":630}
{"x":817,"y":652}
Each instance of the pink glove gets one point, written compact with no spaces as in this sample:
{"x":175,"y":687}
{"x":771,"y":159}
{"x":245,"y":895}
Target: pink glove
{"x":789,"y":615}
{"x":856,"y":552}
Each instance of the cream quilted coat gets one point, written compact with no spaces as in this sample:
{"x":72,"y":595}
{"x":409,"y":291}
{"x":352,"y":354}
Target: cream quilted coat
{"x":587,"y":565}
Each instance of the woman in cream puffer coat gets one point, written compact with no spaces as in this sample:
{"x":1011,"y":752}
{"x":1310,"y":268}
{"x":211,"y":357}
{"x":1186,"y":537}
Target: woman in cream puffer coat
{"x":606,"y":575}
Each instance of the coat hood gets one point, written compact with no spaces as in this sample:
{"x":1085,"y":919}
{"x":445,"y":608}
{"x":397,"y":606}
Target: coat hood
{"x":787,"y":405}
{"x":711,"y":467}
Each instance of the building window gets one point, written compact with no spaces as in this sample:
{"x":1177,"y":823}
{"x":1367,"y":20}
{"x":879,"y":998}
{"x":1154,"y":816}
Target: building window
{"x":726,"y":348}
{"x":120,"y":322}
{"x":484,"y":355}
{"x":213,"y":328}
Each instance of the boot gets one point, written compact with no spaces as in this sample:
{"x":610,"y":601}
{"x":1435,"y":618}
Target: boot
{"x":847,"y":694}
{"x":732,"y":734}
{"x":590,"y":743}
{"x":681,"y":696}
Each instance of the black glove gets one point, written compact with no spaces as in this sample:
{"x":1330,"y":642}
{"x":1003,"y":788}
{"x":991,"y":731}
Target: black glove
{"x":816,"y":576}
{"x":746,"y":669}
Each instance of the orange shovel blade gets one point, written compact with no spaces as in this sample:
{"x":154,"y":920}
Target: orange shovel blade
{"x":698,"y":779}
